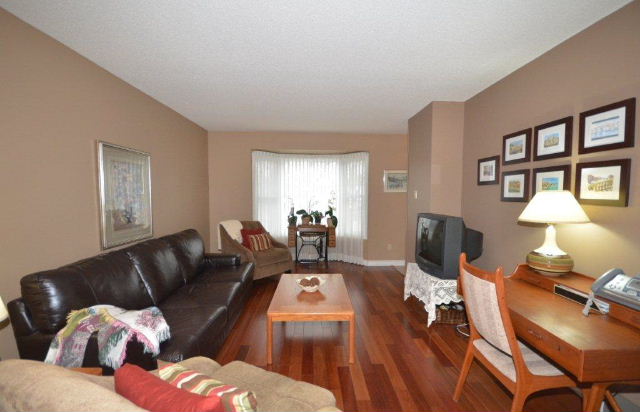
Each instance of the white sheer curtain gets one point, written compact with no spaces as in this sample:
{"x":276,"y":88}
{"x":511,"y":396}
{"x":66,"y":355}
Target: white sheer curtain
{"x":309,"y":182}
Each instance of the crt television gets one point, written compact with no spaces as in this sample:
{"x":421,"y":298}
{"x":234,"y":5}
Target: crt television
{"x":439,"y":241}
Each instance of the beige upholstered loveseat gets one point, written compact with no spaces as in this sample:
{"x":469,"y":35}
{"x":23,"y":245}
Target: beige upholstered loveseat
{"x":27,"y":385}
{"x":267,"y":262}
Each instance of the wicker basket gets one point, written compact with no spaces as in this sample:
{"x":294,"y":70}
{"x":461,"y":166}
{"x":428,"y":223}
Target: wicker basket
{"x":450,"y":316}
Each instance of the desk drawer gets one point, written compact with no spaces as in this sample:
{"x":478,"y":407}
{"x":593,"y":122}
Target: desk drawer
{"x":546,"y":343}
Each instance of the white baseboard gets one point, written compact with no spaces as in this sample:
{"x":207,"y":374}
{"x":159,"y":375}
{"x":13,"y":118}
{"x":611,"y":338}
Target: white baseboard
{"x":384,"y":262}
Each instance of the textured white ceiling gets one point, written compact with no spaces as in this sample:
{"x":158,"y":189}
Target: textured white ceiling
{"x":309,"y":65}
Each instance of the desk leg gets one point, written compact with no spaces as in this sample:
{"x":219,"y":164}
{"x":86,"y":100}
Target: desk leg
{"x":595,"y":396}
{"x":352,"y":338}
{"x":269,"y":340}
{"x":326,"y":247}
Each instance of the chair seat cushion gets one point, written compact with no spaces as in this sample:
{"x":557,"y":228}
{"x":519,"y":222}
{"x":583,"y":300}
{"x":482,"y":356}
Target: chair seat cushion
{"x":504,"y":363}
{"x":272,"y":256}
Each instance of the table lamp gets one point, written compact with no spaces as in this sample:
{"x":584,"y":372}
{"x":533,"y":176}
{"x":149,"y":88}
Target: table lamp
{"x":551,"y":207}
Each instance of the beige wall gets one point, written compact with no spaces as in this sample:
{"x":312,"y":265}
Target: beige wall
{"x":435,"y":159}
{"x":419,"y":135}
{"x":54,"y":105}
{"x":598,"y":66}
{"x":446,"y":158}
{"x":230,"y":179}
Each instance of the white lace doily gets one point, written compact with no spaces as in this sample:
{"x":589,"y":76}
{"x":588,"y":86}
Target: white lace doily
{"x":430,"y":290}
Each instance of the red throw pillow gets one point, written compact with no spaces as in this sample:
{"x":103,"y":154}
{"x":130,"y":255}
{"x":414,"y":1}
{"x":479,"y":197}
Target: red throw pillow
{"x":249,"y":232}
{"x":152,"y":393}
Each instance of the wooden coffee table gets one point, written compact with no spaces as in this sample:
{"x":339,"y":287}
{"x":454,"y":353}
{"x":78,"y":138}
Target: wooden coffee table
{"x":292,"y":304}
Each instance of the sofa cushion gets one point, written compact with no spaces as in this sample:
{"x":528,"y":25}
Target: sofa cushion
{"x":189,"y":249}
{"x":273,"y":391}
{"x":271,"y":256}
{"x":158,"y":266}
{"x":104,"y":272}
{"x":50,"y":296}
{"x":241,"y":273}
{"x":192,"y":330}
{"x":154,"y":394}
{"x":204,"y":294}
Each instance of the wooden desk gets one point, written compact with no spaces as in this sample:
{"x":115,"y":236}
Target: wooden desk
{"x":322,"y":238}
{"x":598,"y":350}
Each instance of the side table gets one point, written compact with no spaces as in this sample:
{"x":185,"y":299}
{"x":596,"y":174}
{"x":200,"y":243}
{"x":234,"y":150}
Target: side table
{"x":430,"y":290}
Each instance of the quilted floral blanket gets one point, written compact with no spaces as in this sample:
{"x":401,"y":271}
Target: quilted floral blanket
{"x":115,"y":327}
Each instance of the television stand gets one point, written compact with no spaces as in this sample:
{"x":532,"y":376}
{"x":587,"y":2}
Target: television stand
{"x":430,"y":290}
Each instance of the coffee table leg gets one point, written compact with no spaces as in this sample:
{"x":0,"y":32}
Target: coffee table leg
{"x":352,"y":338}
{"x":595,"y":397}
{"x":269,"y":340}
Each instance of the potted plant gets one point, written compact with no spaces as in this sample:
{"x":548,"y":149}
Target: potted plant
{"x":317,"y":216}
{"x":292,"y":218}
{"x":305,"y":216}
{"x":330,"y":217}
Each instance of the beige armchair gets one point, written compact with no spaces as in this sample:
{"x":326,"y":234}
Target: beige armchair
{"x":267,"y":262}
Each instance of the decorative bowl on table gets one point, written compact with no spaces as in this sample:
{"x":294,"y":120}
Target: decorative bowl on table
{"x":310,"y":283}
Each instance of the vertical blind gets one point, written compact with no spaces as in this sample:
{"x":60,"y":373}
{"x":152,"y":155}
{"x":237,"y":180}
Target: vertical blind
{"x":307,"y":181}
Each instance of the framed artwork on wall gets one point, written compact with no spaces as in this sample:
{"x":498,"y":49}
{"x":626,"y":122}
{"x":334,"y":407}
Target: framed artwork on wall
{"x":553,"y":139}
{"x":603,"y":183}
{"x":516,"y":147}
{"x":551,"y":178}
{"x":395,"y":180}
{"x":515,"y":186}
{"x":124,"y":179}
{"x":488,"y":170}
{"x":608,"y":127}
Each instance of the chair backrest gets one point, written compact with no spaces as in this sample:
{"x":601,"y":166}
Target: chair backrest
{"x":252,"y":225}
{"x":486,"y":306}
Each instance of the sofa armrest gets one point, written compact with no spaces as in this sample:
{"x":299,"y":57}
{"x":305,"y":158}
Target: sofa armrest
{"x":35,"y":386}
{"x":20,"y":318}
{"x":212,"y":260}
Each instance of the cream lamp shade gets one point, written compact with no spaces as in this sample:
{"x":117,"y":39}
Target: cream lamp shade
{"x":550,"y":207}
{"x":554,"y":206}
{"x":3,"y":311}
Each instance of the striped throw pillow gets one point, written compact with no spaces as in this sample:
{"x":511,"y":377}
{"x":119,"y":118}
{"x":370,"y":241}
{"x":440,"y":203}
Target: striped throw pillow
{"x":233,"y":399}
{"x":260,"y":242}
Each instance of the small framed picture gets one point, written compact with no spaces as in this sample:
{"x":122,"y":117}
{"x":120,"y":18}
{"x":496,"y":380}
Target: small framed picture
{"x":608,"y":127}
{"x":515,"y":186}
{"x":603,"y":183}
{"x":488,"y":170}
{"x":395,"y":180}
{"x":516,"y":147}
{"x":551,"y":178}
{"x":553,"y":139}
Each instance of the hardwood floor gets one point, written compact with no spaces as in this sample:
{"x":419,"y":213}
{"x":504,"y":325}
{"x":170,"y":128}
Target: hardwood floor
{"x":400,"y":365}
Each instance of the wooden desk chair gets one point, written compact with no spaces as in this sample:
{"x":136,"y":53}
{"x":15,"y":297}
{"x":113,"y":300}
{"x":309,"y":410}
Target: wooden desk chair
{"x":493,"y":341}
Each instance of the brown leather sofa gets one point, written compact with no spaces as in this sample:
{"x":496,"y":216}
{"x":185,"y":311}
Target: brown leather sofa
{"x":201,"y":296}
{"x":269,"y":262}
